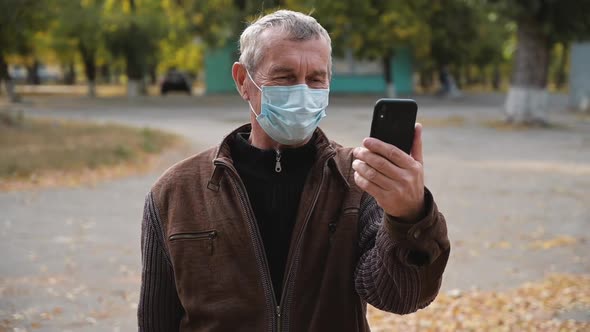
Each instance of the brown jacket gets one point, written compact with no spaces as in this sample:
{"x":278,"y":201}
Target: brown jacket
{"x":204,"y":265}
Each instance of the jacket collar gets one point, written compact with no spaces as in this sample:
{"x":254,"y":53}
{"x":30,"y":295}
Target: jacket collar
{"x":325,"y":152}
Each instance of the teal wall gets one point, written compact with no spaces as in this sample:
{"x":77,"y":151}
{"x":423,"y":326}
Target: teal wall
{"x":218,"y":65}
{"x":580,"y":76}
{"x":218,"y":78}
{"x":403,"y":71}
{"x":357,"y":84}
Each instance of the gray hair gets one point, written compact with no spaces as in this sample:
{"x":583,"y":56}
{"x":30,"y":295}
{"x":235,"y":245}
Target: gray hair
{"x":296,"y":26}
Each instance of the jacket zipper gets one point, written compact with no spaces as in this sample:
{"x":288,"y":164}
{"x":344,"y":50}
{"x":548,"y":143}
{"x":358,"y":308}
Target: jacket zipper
{"x":275,"y":309}
{"x":258,"y":247}
{"x":278,"y":167}
{"x":210,"y":235}
{"x":290,"y":276}
{"x":194,"y":236}
{"x":278,"y":313}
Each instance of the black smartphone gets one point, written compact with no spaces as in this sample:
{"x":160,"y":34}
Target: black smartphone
{"x":394,"y":121}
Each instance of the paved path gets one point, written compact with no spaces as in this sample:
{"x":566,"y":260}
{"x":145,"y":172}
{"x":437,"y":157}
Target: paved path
{"x":71,"y":256}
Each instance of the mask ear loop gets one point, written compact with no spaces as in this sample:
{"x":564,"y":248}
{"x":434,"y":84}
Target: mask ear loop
{"x":256,"y":85}
{"x":251,"y":79}
{"x":252,"y":109}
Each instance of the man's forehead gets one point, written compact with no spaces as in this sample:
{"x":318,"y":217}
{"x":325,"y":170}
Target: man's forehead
{"x":275,"y":34}
{"x":275,"y":43}
{"x":282,"y":68}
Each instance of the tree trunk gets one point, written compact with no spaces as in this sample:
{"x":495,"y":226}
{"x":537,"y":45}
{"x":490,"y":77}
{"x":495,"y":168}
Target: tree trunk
{"x":426,"y":79}
{"x":561,"y":72}
{"x":133,"y":88}
{"x":482,"y":78}
{"x":134,"y":77}
{"x":134,"y":62}
{"x":153,"y":74}
{"x":91,"y":88}
{"x":135,"y":69}
{"x":70,"y":76}
{"x":8,"y":83}
{"x":143,"y":86}
{"x":496,"y":79}
{"x":467,"y":75}
{"x":456,"y":76}
{"x":105,"y":74}
{"x":33,"y":73}
{"x":388,"y":76}
{"x":527,"y":98}
{"x":89,"y":59}
{"x":116,"y":76}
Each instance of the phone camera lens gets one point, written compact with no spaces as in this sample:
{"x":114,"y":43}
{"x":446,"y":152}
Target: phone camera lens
{"x":381,"y":116}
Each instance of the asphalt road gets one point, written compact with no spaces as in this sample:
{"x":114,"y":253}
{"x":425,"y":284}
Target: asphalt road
{"x":517,"y":204}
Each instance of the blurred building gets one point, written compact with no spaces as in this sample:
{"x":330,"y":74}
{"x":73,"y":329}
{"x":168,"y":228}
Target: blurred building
{"x":580,"y":76}
{"x":348,"y":74}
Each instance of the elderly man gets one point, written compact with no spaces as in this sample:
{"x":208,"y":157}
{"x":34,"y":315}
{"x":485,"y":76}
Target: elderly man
{"x":280,"y":229}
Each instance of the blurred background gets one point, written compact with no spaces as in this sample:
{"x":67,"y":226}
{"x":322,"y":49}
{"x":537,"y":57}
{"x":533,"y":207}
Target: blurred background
{"x":99,"y":97}
{"x":392,"y":47}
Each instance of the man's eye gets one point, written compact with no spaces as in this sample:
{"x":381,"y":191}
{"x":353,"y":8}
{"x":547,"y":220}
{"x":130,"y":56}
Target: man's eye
{"x":316,"y":83}
{"x":317,"y":79}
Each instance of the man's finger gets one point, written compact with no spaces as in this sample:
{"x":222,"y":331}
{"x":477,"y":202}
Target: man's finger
{"x":388,"y":151}
{"x":379,"y":163}
{"x":417,"y":145}
{"x":367,"y":186}
{"x":372,"y":175}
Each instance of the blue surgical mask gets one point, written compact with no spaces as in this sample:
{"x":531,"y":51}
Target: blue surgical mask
{"x":290,"y":114}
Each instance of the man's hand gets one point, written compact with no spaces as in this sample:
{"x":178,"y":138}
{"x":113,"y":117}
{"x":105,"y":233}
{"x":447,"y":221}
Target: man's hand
{"x":393,"y":178}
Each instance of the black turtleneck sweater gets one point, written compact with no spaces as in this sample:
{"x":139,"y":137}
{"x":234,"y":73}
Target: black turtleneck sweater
{"x":274,"y":196}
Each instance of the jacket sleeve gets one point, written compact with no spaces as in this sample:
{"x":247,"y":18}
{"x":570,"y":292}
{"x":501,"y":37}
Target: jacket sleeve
{"x":159,"y":308}
{"x":401,"y":264}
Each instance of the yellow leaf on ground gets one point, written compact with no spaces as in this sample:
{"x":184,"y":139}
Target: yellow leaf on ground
{"x":558,"y":241}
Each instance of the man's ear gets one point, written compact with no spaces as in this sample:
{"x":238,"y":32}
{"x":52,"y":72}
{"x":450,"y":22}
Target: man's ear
{"x":238,"y":72}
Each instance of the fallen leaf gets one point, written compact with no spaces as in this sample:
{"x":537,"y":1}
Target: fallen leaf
{"x":502,"y":245}
{"x":529,"y":308}
{"x":558,"y":241}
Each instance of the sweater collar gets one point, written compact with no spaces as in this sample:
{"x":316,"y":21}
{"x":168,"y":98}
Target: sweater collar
{"x":265,"y":162}
{"x":325,"y":152}
{"x":323,"y":146}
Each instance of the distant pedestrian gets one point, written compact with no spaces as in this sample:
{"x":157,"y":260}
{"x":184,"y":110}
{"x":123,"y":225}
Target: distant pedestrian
{"x":449,"y":87}
{"x":443,"y":77}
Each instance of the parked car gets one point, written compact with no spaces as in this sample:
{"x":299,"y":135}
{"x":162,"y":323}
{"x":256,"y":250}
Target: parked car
{"x":18,"y":73}
{"x":176,"y":81}
{"x":46,"y":74}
